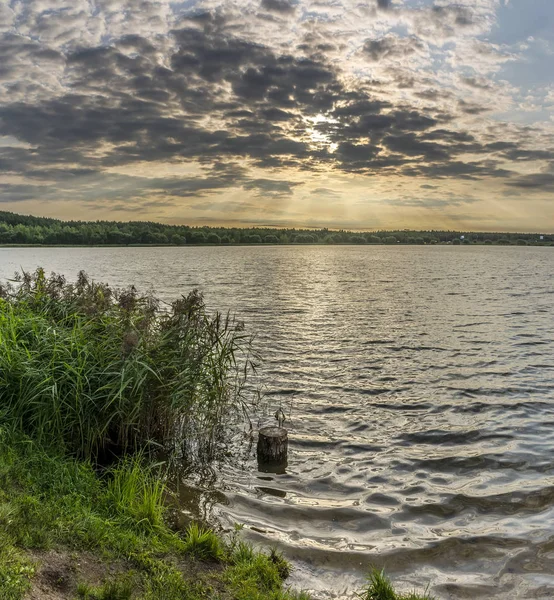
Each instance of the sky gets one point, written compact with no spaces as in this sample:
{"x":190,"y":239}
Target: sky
{"x":358,"y":114}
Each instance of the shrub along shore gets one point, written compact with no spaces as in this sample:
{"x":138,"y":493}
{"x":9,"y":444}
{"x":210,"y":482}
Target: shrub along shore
{"x":92,"y":382}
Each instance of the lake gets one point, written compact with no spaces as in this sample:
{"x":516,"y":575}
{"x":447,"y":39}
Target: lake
{"x":418,"y":384}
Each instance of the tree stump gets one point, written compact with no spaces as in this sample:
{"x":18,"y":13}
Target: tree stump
{"x":272,"y":445}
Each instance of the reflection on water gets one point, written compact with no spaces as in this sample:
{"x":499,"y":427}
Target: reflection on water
{"x":419,"y":388}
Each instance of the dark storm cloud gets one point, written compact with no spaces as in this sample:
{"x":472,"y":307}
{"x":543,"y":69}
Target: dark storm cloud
{"x":409,"y":144}
{"x":520,"y":154}
{"x":368,"y":120}
{"x":384,"y":4}
{"x":360,"y":154}
{"x":90,"y":186}
{"x":19,"y":192}
{"x":458,"y":170}
{"x":453,"y":137}
{"x":17,"y":49}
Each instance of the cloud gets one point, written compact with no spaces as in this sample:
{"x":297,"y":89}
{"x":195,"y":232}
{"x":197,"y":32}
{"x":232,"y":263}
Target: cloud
{"x":392,"y":47}
{"x":271,"y":187}
{"x":255,"y":97}
{"x":278,"y":6}
{"x":432,"y":202}
{"x":540,"y":182}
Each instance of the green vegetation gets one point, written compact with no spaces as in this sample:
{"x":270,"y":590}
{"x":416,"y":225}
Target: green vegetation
{"x":18,"y":229}
{"x":98,"y":371}
{"x":203,"y":543}
{"x":380,"y":588}
{"x":96,"y":536}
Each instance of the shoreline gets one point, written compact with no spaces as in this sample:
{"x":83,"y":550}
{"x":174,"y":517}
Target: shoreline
{"x":91,"y":380}
{"x":263,"y":245}
{"x":67,"y":539}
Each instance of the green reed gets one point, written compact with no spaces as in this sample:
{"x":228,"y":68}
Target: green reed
{"x":97,"y":370}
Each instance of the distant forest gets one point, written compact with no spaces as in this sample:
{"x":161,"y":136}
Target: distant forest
{"x":21,"y":230}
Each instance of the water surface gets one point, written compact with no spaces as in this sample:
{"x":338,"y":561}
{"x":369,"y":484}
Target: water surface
{"x":419,"y":384}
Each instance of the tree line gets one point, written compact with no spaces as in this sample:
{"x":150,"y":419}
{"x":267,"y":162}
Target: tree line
{"x":22,"y":230}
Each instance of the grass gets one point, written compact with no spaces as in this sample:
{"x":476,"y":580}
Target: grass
{"x":379,"y":587}
{"x":203,"y":543}
{"x":136,"y":493}
{"x":55,"y":505}
{"x":118,"y":589}
{"x":102,"y":371}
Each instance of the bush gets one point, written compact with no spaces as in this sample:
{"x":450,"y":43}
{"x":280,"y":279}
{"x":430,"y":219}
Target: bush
{"x":97,"y":370}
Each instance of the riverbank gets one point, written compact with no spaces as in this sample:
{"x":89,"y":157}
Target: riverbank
{"x":90,"y":379}
{"x":67,"y":532}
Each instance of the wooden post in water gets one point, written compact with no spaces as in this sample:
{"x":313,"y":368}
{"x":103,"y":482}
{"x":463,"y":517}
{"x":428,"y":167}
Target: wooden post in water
{"x":272,"y":445}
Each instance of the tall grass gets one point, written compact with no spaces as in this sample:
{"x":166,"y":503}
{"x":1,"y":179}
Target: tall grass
{"x":136,"y":493}
{"x":97,"y":370}
{"x":379,"y":587}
